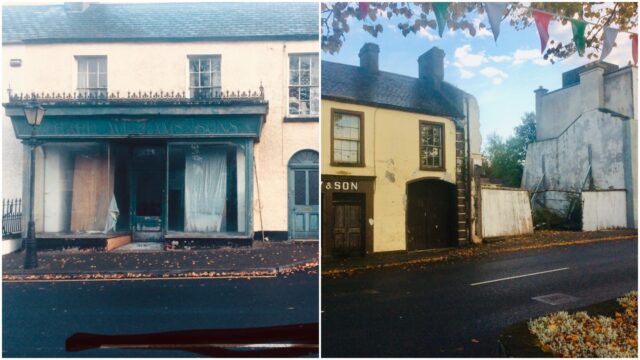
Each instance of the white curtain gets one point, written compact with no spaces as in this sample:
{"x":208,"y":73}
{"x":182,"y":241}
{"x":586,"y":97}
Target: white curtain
{"x":205,"y":190}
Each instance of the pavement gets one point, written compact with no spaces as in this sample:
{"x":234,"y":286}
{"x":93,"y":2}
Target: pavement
{"x":460,"y":306}
{"x":261,"y":259}
{"x":538,"y":240}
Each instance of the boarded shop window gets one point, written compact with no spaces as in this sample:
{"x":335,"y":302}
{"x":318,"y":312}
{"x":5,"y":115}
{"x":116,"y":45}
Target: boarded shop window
{"x":204,"y":76}
{"x":431,"y":146}
{"x":207,"y":188}
{"x":92,"y":75}
{"x":75,"y":193}
{"x":304,"y":93}
{"x":347,"y":138}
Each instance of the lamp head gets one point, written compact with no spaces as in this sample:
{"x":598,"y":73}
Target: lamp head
{"x":34,"y":113}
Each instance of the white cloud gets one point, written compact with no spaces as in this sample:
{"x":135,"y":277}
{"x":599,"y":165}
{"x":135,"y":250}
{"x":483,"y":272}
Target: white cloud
{"x":522,"y":55}
{"x":464,"y":58}
{"x":496,"y":75}
{"x":427,"y":33}
{"x":466,"y":74}
{"x":500,"y":58}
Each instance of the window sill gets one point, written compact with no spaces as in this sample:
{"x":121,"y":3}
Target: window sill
{"x":301,"y":119}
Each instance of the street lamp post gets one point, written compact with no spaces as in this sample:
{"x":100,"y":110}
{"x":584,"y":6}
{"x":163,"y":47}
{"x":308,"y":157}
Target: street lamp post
{"x":34,"y":114}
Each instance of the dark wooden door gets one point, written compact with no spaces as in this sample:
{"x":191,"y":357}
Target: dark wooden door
{"x":348,"y":227}
{"x":430,"y":215}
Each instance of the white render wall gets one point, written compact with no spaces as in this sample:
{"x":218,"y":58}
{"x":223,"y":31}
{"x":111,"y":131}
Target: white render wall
{"x":505,"y":212}
{"x":164,"y":66}
{"x":603,"y":210}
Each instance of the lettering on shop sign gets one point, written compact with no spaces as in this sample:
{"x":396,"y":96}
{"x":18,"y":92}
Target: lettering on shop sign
{"x":341,"y":185}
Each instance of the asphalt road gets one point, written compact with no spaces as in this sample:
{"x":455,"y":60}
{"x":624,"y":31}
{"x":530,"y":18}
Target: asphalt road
{"x":433,"y":310}
{"x":37,"y":317}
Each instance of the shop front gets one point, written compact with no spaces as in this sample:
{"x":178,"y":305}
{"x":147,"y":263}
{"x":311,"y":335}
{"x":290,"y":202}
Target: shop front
{"x":143,"y":169}
{"x":347,"y":215}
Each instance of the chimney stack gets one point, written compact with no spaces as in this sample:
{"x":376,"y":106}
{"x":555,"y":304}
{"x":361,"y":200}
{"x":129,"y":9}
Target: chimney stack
{"x":431,"y":66}
{"x":369,"y":57}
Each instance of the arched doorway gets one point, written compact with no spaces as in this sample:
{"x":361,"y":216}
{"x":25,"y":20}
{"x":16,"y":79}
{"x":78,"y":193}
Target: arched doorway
{"x":303,"y":195}
{"x":431,"y":214}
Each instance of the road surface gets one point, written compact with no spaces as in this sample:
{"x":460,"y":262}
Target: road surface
{"x":460,"y":308}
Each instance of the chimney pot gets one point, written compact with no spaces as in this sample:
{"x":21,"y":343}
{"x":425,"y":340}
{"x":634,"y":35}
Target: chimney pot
{"x":369,"y":57}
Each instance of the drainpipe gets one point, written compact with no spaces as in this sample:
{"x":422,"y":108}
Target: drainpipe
{"x":469,"y":169}
{"x":255,"y":171}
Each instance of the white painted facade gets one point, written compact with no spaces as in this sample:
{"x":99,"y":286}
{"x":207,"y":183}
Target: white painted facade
{"x":505,"y":212}
{"x":603,"y":210}
{"x":586,"y":136}
{"x":155,"y":66}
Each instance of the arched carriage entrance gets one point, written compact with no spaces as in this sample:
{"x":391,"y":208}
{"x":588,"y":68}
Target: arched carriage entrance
{"x":431,"y":214}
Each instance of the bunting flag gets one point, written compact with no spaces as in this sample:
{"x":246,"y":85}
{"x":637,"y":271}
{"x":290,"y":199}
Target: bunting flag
{"x":440,"y":9}
{"x":364,"y":9}
{"x":609,"y":39}
{"x":578,"y":27}
{"x":634,"y":47}
{"x":495,"y":12}
{"x":542,"y":23}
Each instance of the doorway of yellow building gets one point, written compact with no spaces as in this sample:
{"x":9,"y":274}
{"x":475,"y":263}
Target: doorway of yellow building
{"x":431,"y":214}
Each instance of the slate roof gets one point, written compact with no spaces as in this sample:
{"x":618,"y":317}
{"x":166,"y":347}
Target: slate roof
{"x":388,"y":90}
{"x":160,"y":22}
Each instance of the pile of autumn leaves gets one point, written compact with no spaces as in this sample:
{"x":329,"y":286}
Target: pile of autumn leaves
{"x":581,"y":335}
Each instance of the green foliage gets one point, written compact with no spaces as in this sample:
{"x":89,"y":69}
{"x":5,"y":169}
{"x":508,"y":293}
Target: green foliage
{"x":571,"y":219}
{"x":414,"y":17}
{"x":505,"y":158}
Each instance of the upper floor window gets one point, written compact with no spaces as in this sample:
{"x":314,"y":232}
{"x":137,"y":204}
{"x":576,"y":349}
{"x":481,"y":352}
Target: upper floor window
{"x":304,"y":93}
{"x":204,"y":76}
{"x":92,"y":75}
{"x":347,"y":138}
{"x":431,"y":146}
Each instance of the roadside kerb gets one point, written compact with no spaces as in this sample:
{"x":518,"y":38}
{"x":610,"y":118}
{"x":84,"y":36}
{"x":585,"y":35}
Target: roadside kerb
{"x":459,"y":253}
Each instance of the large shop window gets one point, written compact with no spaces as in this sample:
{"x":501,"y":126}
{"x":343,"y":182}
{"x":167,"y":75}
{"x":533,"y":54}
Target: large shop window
{"x":207,"y":188}
{"x":431,"y":146}
{"x":204,"y":76}
{"x":92,"y":75}
{"x":347,"y":138}
{"x":304,"y":93}
{"x":75,"y":189}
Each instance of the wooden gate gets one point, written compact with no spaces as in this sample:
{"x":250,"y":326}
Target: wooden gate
{"x":431,"y":214}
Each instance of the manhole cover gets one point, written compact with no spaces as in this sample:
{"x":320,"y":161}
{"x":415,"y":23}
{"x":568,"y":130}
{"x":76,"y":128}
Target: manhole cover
{"x":555,"y":299}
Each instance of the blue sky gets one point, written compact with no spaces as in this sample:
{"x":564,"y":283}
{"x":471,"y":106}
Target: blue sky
{"x":501,"y":76}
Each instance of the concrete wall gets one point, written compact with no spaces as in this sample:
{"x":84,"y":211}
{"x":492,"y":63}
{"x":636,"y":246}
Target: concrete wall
{"x":566,"y":158}
{"x":559,"y":109}
{"x":603,"y":210}
{"x":391,"y":149}
{"x":164,"y":66}
{"x":505,"y":212}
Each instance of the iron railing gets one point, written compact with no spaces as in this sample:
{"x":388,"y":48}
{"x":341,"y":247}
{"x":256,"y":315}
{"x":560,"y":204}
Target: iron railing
{"x":11,"y":218}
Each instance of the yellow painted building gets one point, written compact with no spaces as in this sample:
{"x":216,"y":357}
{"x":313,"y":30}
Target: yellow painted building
{"x":393,"y":157}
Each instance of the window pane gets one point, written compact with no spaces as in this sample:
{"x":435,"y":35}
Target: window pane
{"x":313,"y":187}
{"x":300,"y":188}
{"x":93,"y":65}
{"x":205,"y":80}
{"x":294,"y":78}
{"x":205,"y":65}
{"x":102,"y":80}
{"x":305,"y":63}
{"x":294,"y":102}
{"x":93,"y":80}
{"x":193,"y":65}
{"x":304,"y":77}
{"x":315,"y":101}
{"x":315,"y":70}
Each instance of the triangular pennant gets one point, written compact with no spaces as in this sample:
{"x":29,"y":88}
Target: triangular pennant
{"x":609,"y":39}
{"x":542,"y":23}
{"x":440,"y":9}
{"x":495,"y":12}
{"x":578,"y":27}
{"x":364,"y":9}
{"x":634,"y":47}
